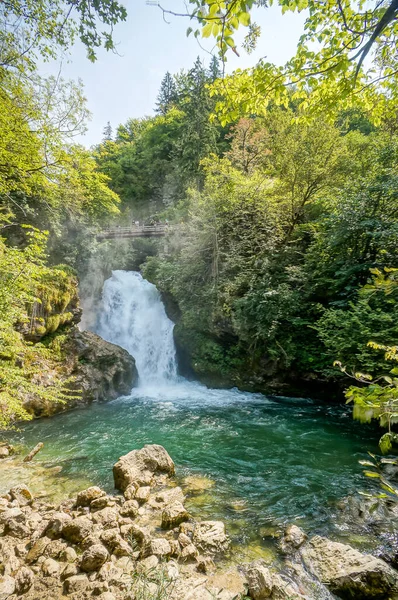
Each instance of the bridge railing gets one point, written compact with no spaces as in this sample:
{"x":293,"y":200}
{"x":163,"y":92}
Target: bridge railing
{"x":133,"y":229}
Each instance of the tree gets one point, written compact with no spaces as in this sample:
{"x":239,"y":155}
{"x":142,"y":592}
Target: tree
{"x":167,"y":94}
{"x":198,"y":135}
{"x":214,"y":69}
{"x":250,"y":145}
{"x":107,"y":133}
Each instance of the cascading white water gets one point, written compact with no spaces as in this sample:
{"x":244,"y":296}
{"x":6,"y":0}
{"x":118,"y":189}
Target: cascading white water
{"x":133,"y":317}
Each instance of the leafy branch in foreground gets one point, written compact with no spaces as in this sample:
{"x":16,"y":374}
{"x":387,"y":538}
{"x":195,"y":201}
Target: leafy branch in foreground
{"x":346,"y":56}
{"x":377,"y":467}
{"x":377,"y":398}
{"x":47,"y":26}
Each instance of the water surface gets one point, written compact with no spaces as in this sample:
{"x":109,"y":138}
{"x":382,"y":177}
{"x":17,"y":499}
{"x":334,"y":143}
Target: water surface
{"x":273,"y":461}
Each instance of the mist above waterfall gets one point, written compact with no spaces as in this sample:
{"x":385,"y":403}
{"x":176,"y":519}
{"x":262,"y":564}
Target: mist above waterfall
{"x":133,"y":316}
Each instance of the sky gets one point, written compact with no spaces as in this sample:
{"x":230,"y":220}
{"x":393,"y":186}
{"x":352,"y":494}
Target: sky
{"x":123,"y":85}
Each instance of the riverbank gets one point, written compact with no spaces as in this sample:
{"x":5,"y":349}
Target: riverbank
{"x":142,"y":543}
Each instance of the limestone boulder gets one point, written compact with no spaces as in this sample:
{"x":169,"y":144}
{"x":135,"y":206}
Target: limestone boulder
{"x":210,"y":536}
{"x":130,"y":491}
{"x":173,"y":515}
{"x":139,"y":466}
{"x":266,"y":585}
{"x":347,"y":572}
{"x":130,"y":509}
{"x":115,"y":543}
{"x":68,"y":555}
{"x":103,"y":502}
{"x":37,"y":549}
{"x":293,"y":538}
{"x":56,"y":524}
{"x":50,"y":567}
{"x":4,"y":452}
{"x":77,"y":529}
{"x":93,"y":558}
{"x":55,"y":548}
{"x":16,"y":529}
{"x":21,"y":494}
{"x":7,"y":587}
{"x":159,"y":547}
{"x":141,"y":536}
{"x":14,"y":513}
{"x":23,"y":580}
{"x":205,"y":565}
{"x":184,"y":540}
{"x":147,"y":564}
{"x":189,"y":553}
{"x":76,"y":583}
{"x":142,"y":494}
{"x":70,"y":570}
{"x":85,"y":497}
{"x":107,"y":517}
{"x":101,"y":371}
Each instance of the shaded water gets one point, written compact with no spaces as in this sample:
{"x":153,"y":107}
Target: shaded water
{"x":272,"y":461}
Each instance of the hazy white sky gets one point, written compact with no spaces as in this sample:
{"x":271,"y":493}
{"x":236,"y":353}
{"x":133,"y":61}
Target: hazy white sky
{"x":126,"y":85}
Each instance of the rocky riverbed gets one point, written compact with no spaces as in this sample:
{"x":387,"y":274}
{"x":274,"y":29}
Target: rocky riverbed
{"x":142,"y":544}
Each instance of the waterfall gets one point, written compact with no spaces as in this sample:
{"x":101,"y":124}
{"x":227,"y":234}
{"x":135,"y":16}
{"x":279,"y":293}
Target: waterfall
{"x":133,"y":317}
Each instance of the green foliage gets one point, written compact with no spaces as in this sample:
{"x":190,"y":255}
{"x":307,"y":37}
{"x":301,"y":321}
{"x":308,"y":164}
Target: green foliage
{"x":168,"y":94}
{"x":272,"y":245}
{"x":154,"y":160}
{"x":345,"y":57}
{"x":46,"y":27}
{"x":46,"y":182}
{"x":377,"y":398}
{"x":153,"y":584}
{"x":26,"y":283}
{"x":377,"y":472}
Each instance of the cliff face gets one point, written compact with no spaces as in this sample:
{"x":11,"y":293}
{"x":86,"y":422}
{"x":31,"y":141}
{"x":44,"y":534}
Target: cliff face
{"x":103,"y":371}
{"x":98,"y":371}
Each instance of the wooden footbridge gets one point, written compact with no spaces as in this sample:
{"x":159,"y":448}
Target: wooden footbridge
{"x":132,"y":232}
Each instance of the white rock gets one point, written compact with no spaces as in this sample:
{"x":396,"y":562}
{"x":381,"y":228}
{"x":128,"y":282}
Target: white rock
{"x":24,"y":580}
{"x":139,"y":466}
{"x":77,"y":583}
{"x":142,"y":494}
{"x":85,"y":497}
{"x":347,"y":571}
{"x":50,"y":567}
{"x":7,"y":587}
{"x":210,"y":536}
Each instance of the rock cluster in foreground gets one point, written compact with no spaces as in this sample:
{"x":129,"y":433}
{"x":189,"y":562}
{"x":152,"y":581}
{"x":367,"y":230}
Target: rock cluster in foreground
{"x":126,"y":547}
{"x":144,"y":545}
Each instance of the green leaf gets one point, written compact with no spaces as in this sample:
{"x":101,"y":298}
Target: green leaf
{"x":207,"y":30}
{"x":244,"y":18}
{"x":372,"y":474}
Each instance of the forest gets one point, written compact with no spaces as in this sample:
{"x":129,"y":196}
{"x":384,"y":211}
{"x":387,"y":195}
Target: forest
{"x":217,"y":279}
